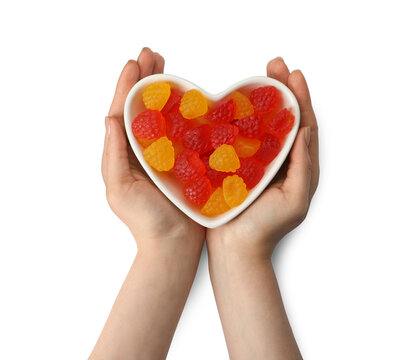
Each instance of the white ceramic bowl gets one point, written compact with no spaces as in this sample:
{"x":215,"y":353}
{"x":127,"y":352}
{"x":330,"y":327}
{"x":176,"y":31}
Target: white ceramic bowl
{"x":167,"y":183}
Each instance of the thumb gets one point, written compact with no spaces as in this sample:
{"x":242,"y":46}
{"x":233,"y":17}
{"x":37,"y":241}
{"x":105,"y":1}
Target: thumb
{"x":298,"y":180}
{"x":117,"y":156}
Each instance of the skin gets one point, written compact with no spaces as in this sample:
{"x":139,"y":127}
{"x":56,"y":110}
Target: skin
{"x":146,"y":312}
{"x":246,"y":290}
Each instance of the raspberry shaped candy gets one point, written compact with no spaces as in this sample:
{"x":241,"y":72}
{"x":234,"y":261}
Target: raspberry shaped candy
{"x":251,"y":126}
{"x":198,"y":139}
{"x":160,"y":154}
{"x":215,"y":177}
{"x":265,"y":99}
{"x":193,"y":104}
{"x":224,"y":113}
{"x":216,"y":204}
{"x":145,"y":142}
{"x":246,"y":147}
{"x":198,"y":191}
{"x":243,"y":105}
{"x":281,"y":123}
{"x":156,"y":95}
{"x":234,"y":190}
{"x":223,"y":134}
{"x":188,"y":166}
{"x":172,"y":102}
{"x":177,"y":126}
{"x":225,"y":159}
{"x":149,"y":124}
{"x":251,"y":171}
{"x":269,"y":149}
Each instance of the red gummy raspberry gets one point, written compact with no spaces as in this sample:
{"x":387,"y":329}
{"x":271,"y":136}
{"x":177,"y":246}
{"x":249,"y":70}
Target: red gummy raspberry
{"x":269,"y":149}
{"x":215,"y":177}
{"x":149,"y":124}
{"x":198,"y":139}
{"x":198,"y":191}
{"x":224,"y":113}
{"x":177,"y":125}
{"x":251,"y":171}
{"x":188,"y":166}
{"x":172,"y":102}
{"x":251,"y":126}
{"x":281,"y":123}
{"x":265,"y":99}
{"x":223,"y":134}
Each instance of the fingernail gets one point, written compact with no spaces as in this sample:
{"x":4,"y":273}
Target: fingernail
{"x":107,"y":125}
{"x":145,"y":48}
{"x":307,"y":135}
{"x":279,"y":58}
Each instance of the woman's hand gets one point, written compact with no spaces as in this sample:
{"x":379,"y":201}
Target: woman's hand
{"x":153,"y":220}
{"x":284,"y":205}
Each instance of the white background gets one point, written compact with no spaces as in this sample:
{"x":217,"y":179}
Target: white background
{"x":64,"y":255}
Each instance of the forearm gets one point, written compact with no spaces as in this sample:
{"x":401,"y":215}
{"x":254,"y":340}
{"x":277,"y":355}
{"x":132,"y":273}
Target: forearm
{"x":146,"y":312}
{"x":250,"y":306}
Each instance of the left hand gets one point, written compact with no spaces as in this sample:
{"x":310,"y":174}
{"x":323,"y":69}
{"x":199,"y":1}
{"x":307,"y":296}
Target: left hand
{"x":154,"y":221}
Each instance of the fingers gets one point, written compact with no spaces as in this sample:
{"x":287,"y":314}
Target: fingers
{"x":297,"y":183}
{"x":129,"y":76}
{"x":298,"y":85}
{"x":104,"y":162}
{"x":116,"y":157}
{"x":277,"y":69}
{"x":146,"y":62}
{"x":159,"y":64}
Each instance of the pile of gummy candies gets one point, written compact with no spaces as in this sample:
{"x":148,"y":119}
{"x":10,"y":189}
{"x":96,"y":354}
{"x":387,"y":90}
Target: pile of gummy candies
{"x":217,"y":151}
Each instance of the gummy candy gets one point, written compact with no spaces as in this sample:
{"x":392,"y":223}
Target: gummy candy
{"x":156,"y":95}
{"x":223,"y":134}
{"x":246,"y":147}
{"x":265,"y":99}
{"x":224,"y":113}
{"x":198,"y":191}
{"x":160,"y":154}
{"x":216,"y":204}
{"x":172,"y":102}
{"x":149,"y":124}
{"x":269,"y":149}
{"x":177,"y":125}
{"x":193,"y":104}
{"x":198,"y":139}
{"x":188,"y":166}
{"x":281,"y":123}
{"x":224,"y":158}
{"x":145,"y":142}
{"x":251,"y":171}
{"x":251,"y":126}
{"x":243,"y":105}
{"x":215,"y":177}
{"x":234,"y":190}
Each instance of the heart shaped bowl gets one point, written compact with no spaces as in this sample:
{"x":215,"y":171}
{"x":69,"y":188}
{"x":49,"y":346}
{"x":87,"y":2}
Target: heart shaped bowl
{"x":167,"y":183}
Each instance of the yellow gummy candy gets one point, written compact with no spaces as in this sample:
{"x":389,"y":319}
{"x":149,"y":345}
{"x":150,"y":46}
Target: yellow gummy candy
{"x":160,"y":154}
{"x":216,"y":204}
{"x":234,"y":190}
{"x":193,"y":104}
{"x":155,"y":95}
{"x":225,"y":159}
{"x":243,"y":105}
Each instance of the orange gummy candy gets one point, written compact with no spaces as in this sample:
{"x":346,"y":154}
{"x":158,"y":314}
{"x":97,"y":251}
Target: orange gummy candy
{"x":225,"y":159}
{"x":234,"y":190}
{"x":243,"y":105}
{"x":155,"y":95}
{"x":216,"y":204}
{"x":246,"y":147}
{"x":145,"y":142}
{"x":193,"y":104}
{"x":160,"y":154}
